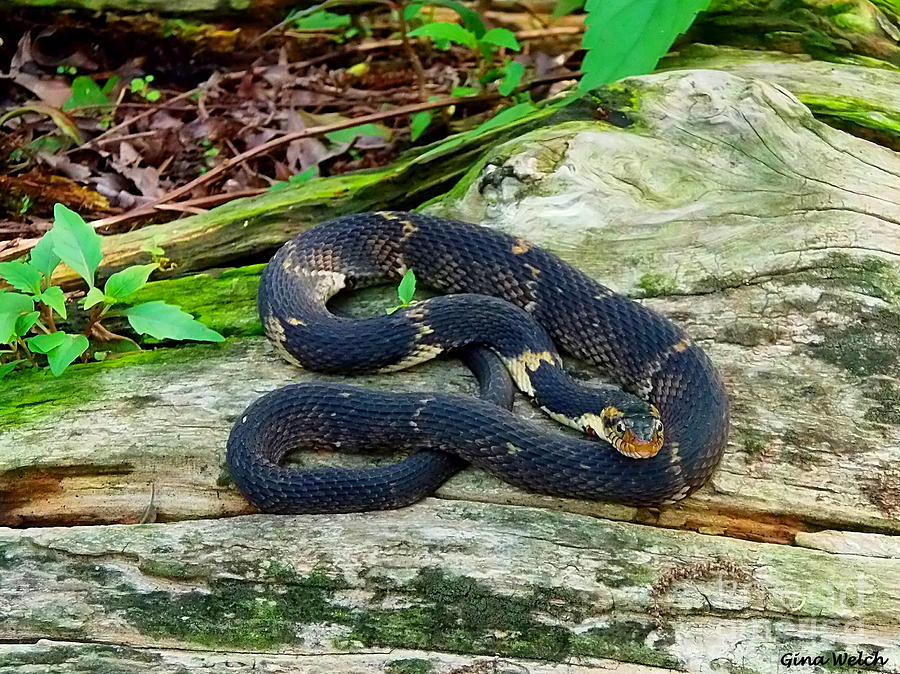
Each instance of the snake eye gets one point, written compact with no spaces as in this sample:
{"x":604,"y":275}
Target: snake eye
{"x":620,"y":428}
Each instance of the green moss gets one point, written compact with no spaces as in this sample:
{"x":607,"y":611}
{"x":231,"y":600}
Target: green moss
{"x":625,"y":641}
{"x":224,"y":300}
{"x":235,"y":613}
{"x":170,"y":569}
{"x":857,"y":111}
{"x":871,"y":276}
{"x":870,"y":346}
{"x":408,"y":666}
{"x":433,"y":611}
{"x":754,"y":442}
{"x":886,"y":397}
{"x":656,"y":285}
{"x":31,"y":395}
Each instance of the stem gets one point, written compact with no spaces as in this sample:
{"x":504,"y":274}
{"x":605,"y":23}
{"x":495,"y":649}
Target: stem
{"x":399,"y":7}
{"x":28,"y":354}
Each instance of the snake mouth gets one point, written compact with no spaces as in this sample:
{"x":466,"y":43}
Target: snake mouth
{"x":639,"y":450}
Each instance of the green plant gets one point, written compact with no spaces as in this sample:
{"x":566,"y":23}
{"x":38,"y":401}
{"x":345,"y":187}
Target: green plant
{"x":625,"y":37}
{"x":405,"y":291}
{"x":140,"y":86}
{"x":86,"y":92}
{"x":473,"y":34}
{"x":28,"y":312}
{"x":297,"y":179}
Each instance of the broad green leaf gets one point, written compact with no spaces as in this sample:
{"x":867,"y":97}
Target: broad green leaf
{"x":76,"y":243}
{"x":12,"y":305}
{"x":128,"y":281}
{"x":462,"y":92}
{"x":512,"y":75}
{"x":94,"y":297}
{"x":26,"y":322}
{"x":420,"y":122}
{"x":63,"y":355}
{"x":6,"y":368}
{"x":46,"y":343}
{"x":85,"y":92}
{"x":501,"y":37}
{"x":564,"y":7}
{"x":407,"y":287}
{"x":625,"y":37}
{"x":470,"y":18}
{"x":445,"y":31}
{"x":42,"y":256}
{"x":164,"y":321}
{"x":410,"y":11}
{"x":54,"y":298}
{"x":346,"y":135}
{"x":21,"y":276}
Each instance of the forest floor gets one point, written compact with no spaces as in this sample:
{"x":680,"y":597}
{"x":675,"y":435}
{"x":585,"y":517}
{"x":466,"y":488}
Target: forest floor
{"x":132,"y":119}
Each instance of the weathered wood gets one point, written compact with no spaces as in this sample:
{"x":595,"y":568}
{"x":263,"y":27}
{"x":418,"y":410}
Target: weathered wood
{"x":860,"y":99}
{"x":805,"y":329}
{"x":471,"y":579}
{"x":76,"y":658}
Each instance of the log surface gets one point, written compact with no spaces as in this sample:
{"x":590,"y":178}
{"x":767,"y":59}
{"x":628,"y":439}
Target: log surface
{"x":720,"y":201}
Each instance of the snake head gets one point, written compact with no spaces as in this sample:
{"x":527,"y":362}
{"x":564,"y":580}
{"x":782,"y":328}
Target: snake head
{"x":637,"y":432}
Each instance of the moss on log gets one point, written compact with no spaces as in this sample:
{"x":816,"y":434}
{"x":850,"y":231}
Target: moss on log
{"x":476,"y":580}
{"x":825,"y":29}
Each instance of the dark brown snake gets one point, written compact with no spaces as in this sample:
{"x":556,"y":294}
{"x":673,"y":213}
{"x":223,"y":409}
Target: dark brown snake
{"x":658,"y":435}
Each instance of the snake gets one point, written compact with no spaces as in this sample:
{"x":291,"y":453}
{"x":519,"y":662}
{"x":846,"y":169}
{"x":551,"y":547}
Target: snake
{"x":650,"y":437}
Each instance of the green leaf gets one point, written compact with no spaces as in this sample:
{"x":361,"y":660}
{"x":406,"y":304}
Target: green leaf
{"x":407,"y":287}
{"x":625,"y":37}
{"x":6,"y":368}
{"x":54,"y":298}
{"x":25,"y":322}
{"x":76,"y":243}
{"x":46,"y":343}
{"x":128,"y":281}
{"x":501,"y":37}
{"x":564,"y":7}
{"x":512,"y":75}
{"x":164,"y":321}
{"x":470,"y":18}
{"x":411,"y":11}
{"x":85,"y":92}
{"x":21,"y":276}
{"x":12,"y":305}
{"x":94,"y":297}
{"x":63,"y":355}
{"x":346,"y":135}
{"x":462,"y":92}
{"x":445,"y":31}
{"x":322,"y":19}
{"x":420,"y":122}
{"x":42,"y":256}
{"x":505,"y":116}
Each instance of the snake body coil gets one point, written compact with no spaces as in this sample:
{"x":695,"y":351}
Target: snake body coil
{"x":516,"y":299}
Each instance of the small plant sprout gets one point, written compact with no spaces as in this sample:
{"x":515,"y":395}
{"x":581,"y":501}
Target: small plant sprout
{"x":31,"y":310}
{"x":405,"y":291}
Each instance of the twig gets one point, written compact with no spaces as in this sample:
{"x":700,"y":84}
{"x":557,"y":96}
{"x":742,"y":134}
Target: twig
{"x":228,"y":164}
{"x":408,"y":48}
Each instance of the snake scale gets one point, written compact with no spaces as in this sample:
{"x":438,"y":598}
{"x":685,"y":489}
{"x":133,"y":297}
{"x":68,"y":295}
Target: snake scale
{"x":651,"y":440}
